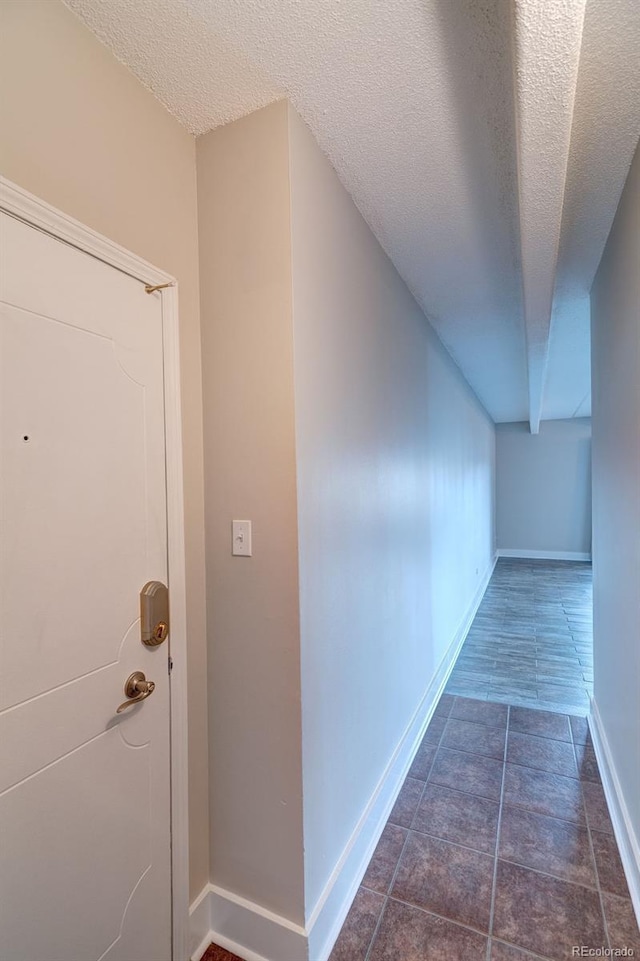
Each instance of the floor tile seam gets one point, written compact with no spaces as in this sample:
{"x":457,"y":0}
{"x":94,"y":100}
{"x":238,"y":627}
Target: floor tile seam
{"x":548,"y":737}
{"x":461,"y":790}
{"x":473,"y":679}
{"x":483,"y":797}
{"x":436,"y":743}
{"x":547,"y":681}
{"x":522,"y":807}
{"x":480,"y":678}
{"x":424,"y":788}
{"x":544,"y":770}
{"x":525,"y":951}
{"x":542,"y":690}
{"x":498,"y":829}
{"x":374,"y":934}
{"x":593,"y":853}
{"x":548,"y":874}
{"x":387,"y":896}
{"x":372,"y":890}
{"x":550,"y":817}
{"x":441,"y":917}
{"x":558,"y":680}
{"x":455,"y":844}
{"x":557,"y":704}
{"x":440,"y":714}
{"x":479,"y":723}
{"x":626,"y":898}
{"x":464,"y":750}
{"x":388,"y":821}
{"x":594,"y":888}
{"x":559,"y":707}
{"x":505,"y":656}
{"x":462,"y":675}
{"x":568,"y":693}
{"x":588,"y":819}
{"x":436,"y":747}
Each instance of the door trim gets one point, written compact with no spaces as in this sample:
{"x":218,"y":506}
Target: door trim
{"x":35,"y":212}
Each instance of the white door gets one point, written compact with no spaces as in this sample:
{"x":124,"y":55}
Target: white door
{"x":84,"y":792}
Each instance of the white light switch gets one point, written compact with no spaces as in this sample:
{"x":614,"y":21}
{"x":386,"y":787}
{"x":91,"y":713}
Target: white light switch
{"x":241,"y":538}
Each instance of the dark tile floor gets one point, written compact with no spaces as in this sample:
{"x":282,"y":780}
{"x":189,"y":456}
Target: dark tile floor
{"x":499,"y":847}
{"x":531,"y":640}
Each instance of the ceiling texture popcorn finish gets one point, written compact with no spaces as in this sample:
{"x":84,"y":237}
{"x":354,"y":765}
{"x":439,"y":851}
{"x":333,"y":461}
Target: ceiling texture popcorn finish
{"x":486,"y":143}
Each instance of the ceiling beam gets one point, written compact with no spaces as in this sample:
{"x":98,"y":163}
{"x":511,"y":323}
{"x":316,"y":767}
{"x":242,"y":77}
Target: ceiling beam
{"x":547,"y":39}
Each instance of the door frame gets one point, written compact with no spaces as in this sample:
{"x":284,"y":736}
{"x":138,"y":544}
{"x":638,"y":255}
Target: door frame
{"x":37,"y":213}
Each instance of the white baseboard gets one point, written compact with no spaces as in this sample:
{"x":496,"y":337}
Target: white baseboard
{"x":200,"y":925}
{"x":332,"y":907}
{"x":544,"y":555}
{"x":628,"y":842}
{"x":244,"y":928}
{"x":254,"y":934}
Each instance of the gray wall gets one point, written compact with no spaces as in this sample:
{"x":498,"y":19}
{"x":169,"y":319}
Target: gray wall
{"x":250,"y":473}
{"x":543,"y":487}
{"x":336,"y":422}
{"x":615,"y":353}
{"x":395,"y":461}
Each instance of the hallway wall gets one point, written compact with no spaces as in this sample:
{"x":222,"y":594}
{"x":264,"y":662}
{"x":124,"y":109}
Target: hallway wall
{"x":543,"y":488}
{"x":615,"y":352}
{"x":337,"y":423}
{"x":250,"y":473}
{"x":395,"y":462}
{"x":80,"y":132}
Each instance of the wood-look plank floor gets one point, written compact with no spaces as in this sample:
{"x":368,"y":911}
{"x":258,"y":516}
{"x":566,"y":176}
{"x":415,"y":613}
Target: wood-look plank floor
{"x":531,"y":640}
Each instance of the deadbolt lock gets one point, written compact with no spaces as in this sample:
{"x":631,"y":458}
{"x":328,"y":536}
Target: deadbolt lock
{"x":154,"y":613}
{"x":160,"y":632}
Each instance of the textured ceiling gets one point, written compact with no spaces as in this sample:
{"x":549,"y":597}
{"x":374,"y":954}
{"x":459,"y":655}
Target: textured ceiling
{"x":486,"y":142}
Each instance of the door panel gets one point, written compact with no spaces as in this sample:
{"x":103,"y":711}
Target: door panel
{"x":87,"y":823}
{"x":79,"y":445}
{"x":84,"y":793}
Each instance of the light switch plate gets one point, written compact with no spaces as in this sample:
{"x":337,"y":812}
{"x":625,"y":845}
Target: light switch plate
{"x":241,"y":538}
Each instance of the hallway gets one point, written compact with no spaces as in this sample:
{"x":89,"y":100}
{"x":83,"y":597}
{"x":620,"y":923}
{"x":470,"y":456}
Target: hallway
{"x":531,"y":640}
{"x":501,"y":824}
{"x":502,"y":820}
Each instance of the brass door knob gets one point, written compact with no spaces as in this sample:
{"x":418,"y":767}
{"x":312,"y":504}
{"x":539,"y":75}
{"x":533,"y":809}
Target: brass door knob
{"x":137,"y":688}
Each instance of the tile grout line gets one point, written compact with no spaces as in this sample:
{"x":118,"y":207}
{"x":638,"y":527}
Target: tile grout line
{"x":437,"y":746}
{"x":408,"y":830}
{"x":526,"y":954}
{"x":539,"y":594}
{"x":442,"y":917}
{"x":517,"y":864}
{"x":605,"y":926}
{"x":497,"y":846}
{"x":374,"y":934}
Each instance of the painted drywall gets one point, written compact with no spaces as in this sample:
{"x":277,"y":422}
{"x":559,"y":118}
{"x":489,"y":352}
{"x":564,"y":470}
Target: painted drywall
{"x":395,"y":469}
{"x":543,"y":487}
{"x":337,"y":423}
{"x":250,"y":473}
{"x":615,"y":353}
{"x":79,"y":131}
